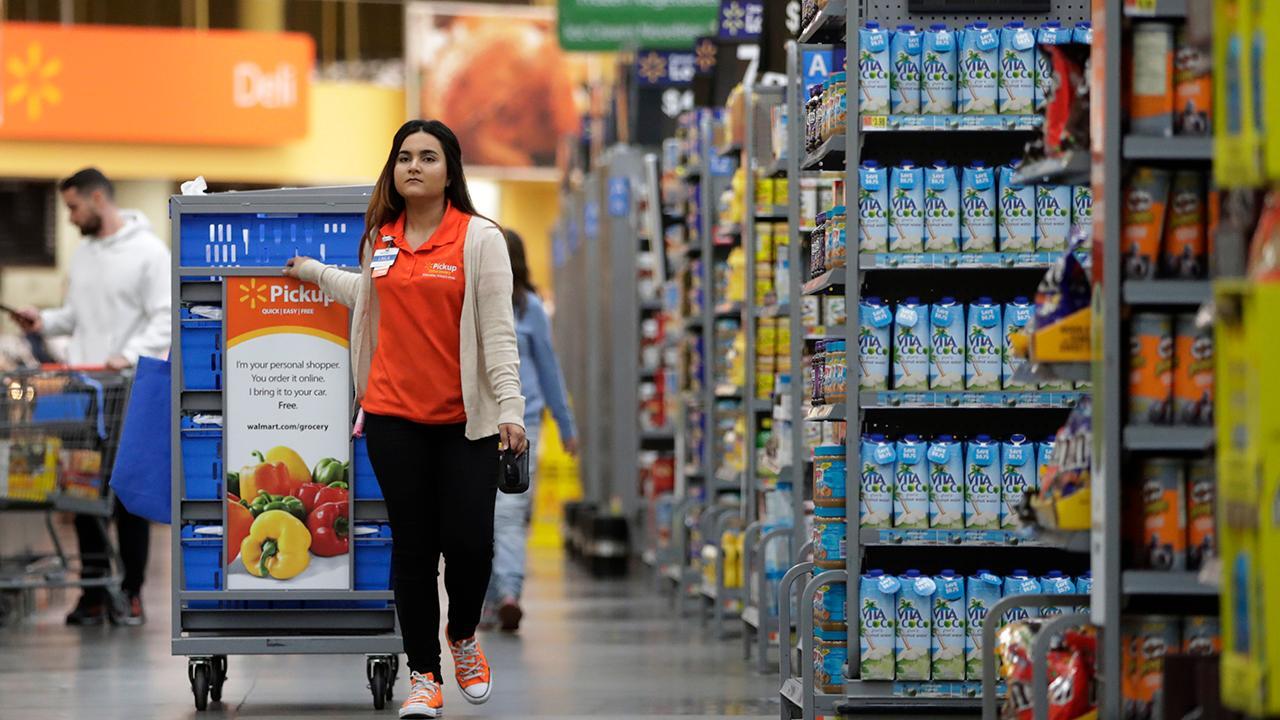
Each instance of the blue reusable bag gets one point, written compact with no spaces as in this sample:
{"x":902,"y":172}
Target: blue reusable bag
{"x":141,"y":477}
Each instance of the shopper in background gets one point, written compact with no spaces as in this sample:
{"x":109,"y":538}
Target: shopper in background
{"x":116,"y":310}
{"x":437,"y":371}
{"x":543,"y":385}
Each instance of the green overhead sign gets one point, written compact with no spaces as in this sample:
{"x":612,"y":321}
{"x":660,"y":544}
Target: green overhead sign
{"x":620,"y":24}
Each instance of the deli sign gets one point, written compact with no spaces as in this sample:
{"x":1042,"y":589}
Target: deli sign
{"x":143,"y":85}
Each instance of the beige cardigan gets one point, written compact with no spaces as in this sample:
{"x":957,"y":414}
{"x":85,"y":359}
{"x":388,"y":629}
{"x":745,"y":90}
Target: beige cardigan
{"x":490,"y":357}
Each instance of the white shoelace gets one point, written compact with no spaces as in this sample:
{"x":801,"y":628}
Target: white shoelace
{"x":420,"y":688}
{"x":467,"y":659}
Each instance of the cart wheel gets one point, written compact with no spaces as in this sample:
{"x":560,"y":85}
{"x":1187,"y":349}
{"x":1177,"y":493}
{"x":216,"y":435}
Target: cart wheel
{"x":219,"y":677}
{"x":395,"y":673}
{"x":200,"y":685}
{"x":379,"y":686}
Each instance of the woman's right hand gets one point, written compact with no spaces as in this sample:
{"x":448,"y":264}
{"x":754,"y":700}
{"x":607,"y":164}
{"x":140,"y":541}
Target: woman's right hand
{"x":293,"y":265}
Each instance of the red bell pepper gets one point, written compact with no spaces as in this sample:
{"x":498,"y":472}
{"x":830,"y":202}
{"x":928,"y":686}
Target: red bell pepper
{"x":330,"y":529}
{"x":313,"y":495}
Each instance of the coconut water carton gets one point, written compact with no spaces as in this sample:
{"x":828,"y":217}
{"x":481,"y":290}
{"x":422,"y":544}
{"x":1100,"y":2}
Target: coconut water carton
{"x":1082,"y":211}
{"x":982,"y":591}
{"x":1020,"y":582}
{"x":1018,"y":474}
{"x":1017,"y":69}
{"x":911,"y":346}
{"x":877,"y":625}
{"x":875,"y":332}
{"x":1084,"y":586}
{"x":906,"y":208}
{"x":873,"y":207}
{"x":984,"y":346}
{"x":875,"y":489}
{"x":1016,"y":316}
{"x":1082,"y":34}
{"x":941,"y":208}
{"x":977,"y":70}
{"x":1044,"y":461}
{"x":946,"y":345}
{"x":905,"y":47}
{"x":978,"y":208}
{"x":947,"y":652}
{"x":982,"y":484}
{"x":1050,"y":33}
{"x":938,"y":95}
{"x":911,"y":485}
{"x":915,"y":626}
{"x":1056,"y":583}
{"x":1053,"y":217}
{"x":1016,"y":218}
{"x":946,"y":483}
{"x":873,"y":69}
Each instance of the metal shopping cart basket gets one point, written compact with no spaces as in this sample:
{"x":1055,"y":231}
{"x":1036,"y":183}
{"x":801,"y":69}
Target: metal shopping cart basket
{"x":59,"y":430}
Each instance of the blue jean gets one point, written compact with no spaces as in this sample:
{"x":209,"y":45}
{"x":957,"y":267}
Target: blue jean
{"x":511,"y":530}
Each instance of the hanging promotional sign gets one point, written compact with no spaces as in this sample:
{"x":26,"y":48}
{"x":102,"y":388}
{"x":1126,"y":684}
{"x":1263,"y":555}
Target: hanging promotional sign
{"x":288,"y":437}
{"x":94,"y":83}
{"x":619,"y":24}
{"x":497,"y":77}
{"x":740,"y":20}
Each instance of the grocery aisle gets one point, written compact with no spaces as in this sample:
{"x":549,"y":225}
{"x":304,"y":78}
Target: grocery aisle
{"x":599,"y":649}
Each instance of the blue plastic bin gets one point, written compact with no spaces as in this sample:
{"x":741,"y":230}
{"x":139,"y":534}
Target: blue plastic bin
{"x":201,"y":558}
{"x":366,"y":484}
{"x":373,"y":557}
{"x":202,"y":354}
{"x":202,"y":470}
{"x":262,"y":240}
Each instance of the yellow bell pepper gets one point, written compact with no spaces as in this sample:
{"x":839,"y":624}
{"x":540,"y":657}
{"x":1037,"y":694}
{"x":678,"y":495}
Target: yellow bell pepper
{"x":299,"y":473}
{"x":278,"y":545}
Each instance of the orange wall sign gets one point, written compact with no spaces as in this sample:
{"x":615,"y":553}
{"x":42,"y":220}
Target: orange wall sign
{"x":143,"y":85}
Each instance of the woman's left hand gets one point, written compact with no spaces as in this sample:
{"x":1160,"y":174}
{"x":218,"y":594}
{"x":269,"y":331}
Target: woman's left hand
{"x":512,"y":436}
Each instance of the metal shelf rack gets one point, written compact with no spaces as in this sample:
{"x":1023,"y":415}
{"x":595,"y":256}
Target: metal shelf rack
{"x":844,"y":153}
{"x":1123,"y":443}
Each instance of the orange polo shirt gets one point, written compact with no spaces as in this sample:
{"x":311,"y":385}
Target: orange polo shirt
{"x":416,"y":373}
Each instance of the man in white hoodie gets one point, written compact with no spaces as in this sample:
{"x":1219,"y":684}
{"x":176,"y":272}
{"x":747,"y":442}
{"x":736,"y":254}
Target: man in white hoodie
{"x":117,"y":309}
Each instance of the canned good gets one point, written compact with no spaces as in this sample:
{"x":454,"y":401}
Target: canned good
{"x":1164,"y":518}
{"x":830,"y":473}
{"x":1201,"y":636}
{"x":830,"y":655}
{"x":830,"y":608}
{"x":1150,"y":369}
{"x":1146,"y":199}
{"x":830,"y":542}
{"x":1151,"y":104}
{"x":1192,"y":372}
{"x":1202,"y":533}
{"x":1146,"y":641}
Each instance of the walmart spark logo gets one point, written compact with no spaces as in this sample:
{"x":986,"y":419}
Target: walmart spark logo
{"x":34,"y":80}
{"x":253,"y":293}
{"x":653,"y":67}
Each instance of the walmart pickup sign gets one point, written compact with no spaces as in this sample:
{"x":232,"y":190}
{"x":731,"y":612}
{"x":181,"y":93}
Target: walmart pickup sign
{"x":594,"y":25}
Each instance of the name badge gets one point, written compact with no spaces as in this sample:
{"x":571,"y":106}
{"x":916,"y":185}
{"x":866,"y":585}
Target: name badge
{"x":382,"y":261}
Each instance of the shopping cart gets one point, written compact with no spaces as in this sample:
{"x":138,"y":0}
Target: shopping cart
{"x":59,"y":430}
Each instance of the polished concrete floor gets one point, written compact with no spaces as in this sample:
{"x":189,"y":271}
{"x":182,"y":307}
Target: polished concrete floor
{"x":599,"y":649}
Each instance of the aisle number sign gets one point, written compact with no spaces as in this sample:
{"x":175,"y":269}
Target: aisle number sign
{"x":288,"y":437}
{"x":97,"y":83}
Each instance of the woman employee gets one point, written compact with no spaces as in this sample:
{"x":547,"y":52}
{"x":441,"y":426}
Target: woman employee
{"x":437,"y":371}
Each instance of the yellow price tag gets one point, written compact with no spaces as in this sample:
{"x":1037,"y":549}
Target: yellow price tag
{"x":875,"y":122}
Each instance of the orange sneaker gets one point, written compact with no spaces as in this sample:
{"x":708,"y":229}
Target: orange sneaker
{"x":472,"y":670}
{"x":426,"y":699}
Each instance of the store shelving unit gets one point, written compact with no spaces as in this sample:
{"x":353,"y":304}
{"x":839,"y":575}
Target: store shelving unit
{"x":902,"y":410}
{"x":1123,"y":444}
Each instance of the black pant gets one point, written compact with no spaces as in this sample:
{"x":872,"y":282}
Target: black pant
{"x":440,"y":489}
{"x":134,"y":536}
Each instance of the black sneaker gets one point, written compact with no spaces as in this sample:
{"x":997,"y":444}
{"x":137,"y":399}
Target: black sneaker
{"x":87,"y":613}
{"x":510,"y":615}
{"x":129,"y":612}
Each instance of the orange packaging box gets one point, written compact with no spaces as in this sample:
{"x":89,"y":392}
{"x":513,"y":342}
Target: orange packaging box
{"x":1183,"y":255}
{"x":1192,"y":372}
{"x":1192,"y":88}
{"x":1146,"y":641}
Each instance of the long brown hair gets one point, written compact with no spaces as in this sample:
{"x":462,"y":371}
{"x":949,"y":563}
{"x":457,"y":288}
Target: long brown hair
{"x":386,"y":204}
{"x":521,"y":284}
